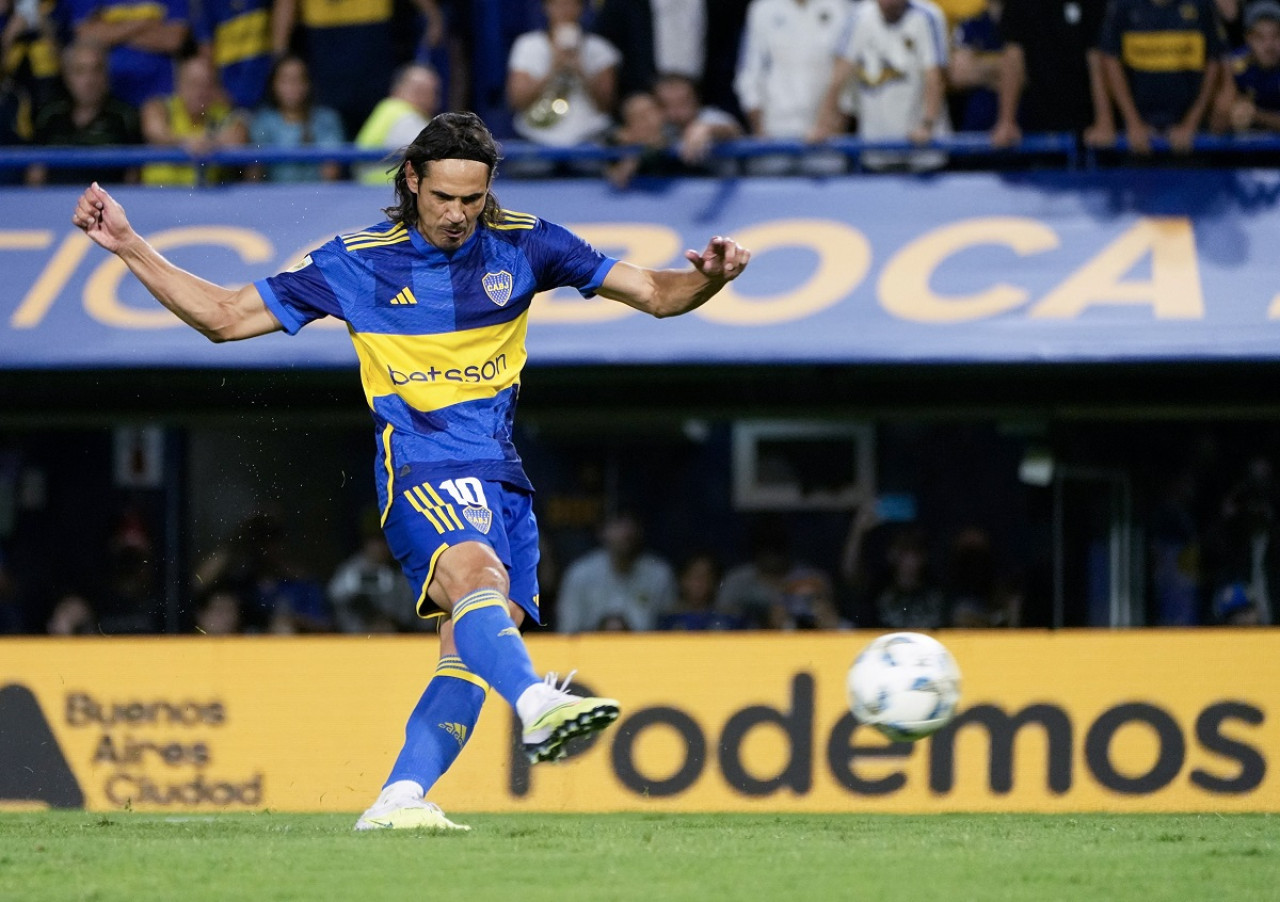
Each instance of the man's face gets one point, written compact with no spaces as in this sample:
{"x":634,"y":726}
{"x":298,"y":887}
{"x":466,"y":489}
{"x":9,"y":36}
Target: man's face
{"x":892,"y":10}
{"x":85,"y":73}
{"x":642,"y":118}
{"x":679,"y":103}
{"x":450,"y":200}
{"x":421,"y":88}
{"x":197,"y":85}
{"x":561,"y":11}
{"x":1264,"y":42}
{"x":621,"y":537}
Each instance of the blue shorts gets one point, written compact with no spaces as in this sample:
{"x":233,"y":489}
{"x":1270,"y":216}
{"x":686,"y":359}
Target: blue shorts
{"x":428,"y":516}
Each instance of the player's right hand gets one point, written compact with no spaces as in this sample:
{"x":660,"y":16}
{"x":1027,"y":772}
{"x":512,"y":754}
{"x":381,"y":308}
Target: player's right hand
{"x":101,"y":217}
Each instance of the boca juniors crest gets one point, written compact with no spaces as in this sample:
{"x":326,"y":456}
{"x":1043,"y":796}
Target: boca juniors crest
{"x":497,"y":285}
{"x":479,"y":517}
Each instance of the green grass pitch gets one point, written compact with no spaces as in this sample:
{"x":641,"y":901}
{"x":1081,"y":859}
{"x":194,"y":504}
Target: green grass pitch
{"x":52,"y":856}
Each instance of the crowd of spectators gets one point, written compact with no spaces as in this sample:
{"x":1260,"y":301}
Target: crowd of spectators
{"x":661,"y":82}
{"x":1212,"y":557}
{"x":202,"y":74}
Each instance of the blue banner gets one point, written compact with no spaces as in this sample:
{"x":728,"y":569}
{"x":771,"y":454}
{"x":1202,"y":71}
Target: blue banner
{"x":1121,"y":265}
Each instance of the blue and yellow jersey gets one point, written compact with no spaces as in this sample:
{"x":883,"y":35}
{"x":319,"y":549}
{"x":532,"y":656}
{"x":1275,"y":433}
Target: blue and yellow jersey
{"x":1164,"y":46}
{"x":1260,"y":85}
{"x":136,"y":75}
{"x":239,"y":34}
{"x":440,"y":336}
{"x":341,"y":13}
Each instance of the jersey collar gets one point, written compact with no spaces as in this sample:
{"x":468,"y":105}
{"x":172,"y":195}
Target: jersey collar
{"x":431,"y":252}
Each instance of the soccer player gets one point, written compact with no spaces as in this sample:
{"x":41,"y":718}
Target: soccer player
{"x":436,"y":298}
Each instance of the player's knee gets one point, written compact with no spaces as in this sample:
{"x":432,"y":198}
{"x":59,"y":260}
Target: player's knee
{"x":467,"y":568}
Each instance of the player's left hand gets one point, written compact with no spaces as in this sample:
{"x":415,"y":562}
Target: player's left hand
{"x":723,"y":259}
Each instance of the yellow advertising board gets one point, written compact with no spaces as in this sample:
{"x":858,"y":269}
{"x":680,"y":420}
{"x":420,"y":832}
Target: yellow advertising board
{"x":1068,"y":721}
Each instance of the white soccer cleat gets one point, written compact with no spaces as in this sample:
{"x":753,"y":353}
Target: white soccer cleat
{"x":396,"y":809}
{"x":560,"y":716}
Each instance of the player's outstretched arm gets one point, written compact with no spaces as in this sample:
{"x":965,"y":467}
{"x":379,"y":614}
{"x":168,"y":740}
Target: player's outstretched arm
{"x":220,"y":314}
{"x":670,"y":292}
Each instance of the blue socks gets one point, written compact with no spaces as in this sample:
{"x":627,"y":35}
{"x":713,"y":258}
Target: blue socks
{"x":440,"y":724}
{"x":490,"y":644}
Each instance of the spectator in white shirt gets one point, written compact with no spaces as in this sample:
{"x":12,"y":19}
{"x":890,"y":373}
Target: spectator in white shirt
{"x":788,"y":50}
{"x":617,"y":585}
{"x":561,"y":82}
{"x":894,"y":55}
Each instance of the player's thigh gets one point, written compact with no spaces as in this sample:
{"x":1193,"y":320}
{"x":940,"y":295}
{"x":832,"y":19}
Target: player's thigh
{"x":447,"y":531}
{"x":464,"y":568}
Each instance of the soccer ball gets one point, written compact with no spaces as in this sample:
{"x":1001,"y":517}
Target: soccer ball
{"x":906,"y":685}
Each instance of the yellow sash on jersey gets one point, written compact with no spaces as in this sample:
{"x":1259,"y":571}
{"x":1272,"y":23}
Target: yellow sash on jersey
{"x":242,"y":38}
{"x":1164,"y":51}
{"x":336,"y":13}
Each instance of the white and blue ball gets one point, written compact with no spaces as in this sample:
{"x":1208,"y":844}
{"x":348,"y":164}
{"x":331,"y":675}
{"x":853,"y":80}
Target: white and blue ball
{"x":906,"y":685}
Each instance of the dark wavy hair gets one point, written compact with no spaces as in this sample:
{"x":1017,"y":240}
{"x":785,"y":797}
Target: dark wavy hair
{"x":448,"y":136}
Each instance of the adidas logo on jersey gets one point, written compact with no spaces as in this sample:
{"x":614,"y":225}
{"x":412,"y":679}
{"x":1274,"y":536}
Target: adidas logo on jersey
{"x":404,"y":297}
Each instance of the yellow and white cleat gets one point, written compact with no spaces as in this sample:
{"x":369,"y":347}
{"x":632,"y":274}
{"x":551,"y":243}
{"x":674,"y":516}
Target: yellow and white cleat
{"x":407,"y":814}
{"x":564,"y":717}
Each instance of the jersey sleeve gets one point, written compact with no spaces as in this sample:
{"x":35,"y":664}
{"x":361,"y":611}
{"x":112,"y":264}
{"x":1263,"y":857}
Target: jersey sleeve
{"x":560,"y":258}
{"x":302,"y":293}
{"x":934,"y":52}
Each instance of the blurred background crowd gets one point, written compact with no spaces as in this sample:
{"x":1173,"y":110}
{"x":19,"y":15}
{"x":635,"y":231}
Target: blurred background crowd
{"x":959,"y":532}
{"x":664,"y":79}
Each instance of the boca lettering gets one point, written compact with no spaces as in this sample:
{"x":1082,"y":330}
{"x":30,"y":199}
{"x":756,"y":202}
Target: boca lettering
{"x":1172,"y":292}
{"x":844,"y":258}
{"x":102,"y":299}
{"x":53,"y":279}
{"x":905,"y":286}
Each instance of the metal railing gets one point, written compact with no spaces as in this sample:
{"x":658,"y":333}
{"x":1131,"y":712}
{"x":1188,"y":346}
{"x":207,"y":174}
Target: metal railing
{"x":1060,"y":149}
